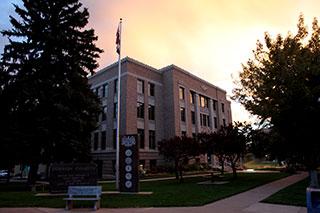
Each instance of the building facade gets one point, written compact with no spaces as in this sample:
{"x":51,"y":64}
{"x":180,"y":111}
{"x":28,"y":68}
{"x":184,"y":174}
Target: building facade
{"x":156,"y":104}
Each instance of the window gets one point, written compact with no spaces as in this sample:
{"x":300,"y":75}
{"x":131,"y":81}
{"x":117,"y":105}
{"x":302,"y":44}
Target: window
{"x":183,"y":134}
{"x":113,"y":163}
{"x":96,"y":91}
{"x":222,"y":107}
{"x":214,"y":105}
{"x":115,"y":110}
{"x":192,"y":97}
{"x":95,"y":140}
{"x":142,"y":163}
{"x":114,"y":138}
{"x":104,"y":113}
{"x":150,"y":89}
{"x":183,"y":114}
{"x":151,"y":112}
{"x":181,"y":93}
{"x":115,"y":86}
{"x":140,"y":86}
{"x":215,"y":122}
{"x":204,"y":101}
{"x":194,"y":135}
{"x":140,"y":110}
{"x":153,"y":165}
{"x":204,"y":120}
{"x":193,"y":117}
{"x":103,"y":140}
{"x":141,"y":138}
{"x":152,"y":139}
{"x":224,"y":122}
{"x":105,"y":90}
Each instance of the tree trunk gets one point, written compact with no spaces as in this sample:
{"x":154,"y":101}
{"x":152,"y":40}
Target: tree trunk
{"x":222,"y":167}
{"x":32,"y":178}
{"x":181,"y":177}
{"x":313,"y":174}
{"x":233,"y":163}
{"x":176,"y":165}
{"x":8,"y":175}
{"x":234,"y":172}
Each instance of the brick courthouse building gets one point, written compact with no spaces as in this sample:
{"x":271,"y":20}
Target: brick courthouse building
{"x":156,"y":104}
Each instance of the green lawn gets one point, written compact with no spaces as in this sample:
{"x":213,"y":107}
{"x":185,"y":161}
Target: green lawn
{"x":262,"y":165}
{"x":165,"y":193}
{"x":294,"y":195}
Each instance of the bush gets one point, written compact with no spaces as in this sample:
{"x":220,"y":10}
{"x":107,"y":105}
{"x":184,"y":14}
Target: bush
{"x":167,"y":168}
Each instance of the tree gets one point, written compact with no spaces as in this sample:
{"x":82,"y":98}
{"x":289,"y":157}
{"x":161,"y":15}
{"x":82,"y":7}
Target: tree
{"x":234,"y":144}
{"x":50,"y":110}
{"x":213,"y":143}
{"x":180,"y":150}
{"x":281,"y":84}
{"x":267,"y":143}
{"x":228,"y":144}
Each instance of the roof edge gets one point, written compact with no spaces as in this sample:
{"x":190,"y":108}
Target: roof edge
{"x":172,"y":66}
{"x":123,"y":60}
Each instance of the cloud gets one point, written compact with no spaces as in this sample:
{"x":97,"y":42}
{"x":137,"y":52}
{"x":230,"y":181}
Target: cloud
{"x":209,"y":38}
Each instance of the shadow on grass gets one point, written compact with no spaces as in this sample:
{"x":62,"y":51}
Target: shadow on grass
{"x":294,"y":195}
{"x":165,"y":193}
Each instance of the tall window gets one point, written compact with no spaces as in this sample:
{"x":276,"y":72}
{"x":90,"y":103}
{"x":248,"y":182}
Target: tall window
{"x":192,"y":97}
{"x":204,"y":101}
{"x":115,"y":110}
{"x":104,"y":113}
{"x":103,"y":140}
{"x":224,"y":122}
{"x":95,"y":140}
{"x":183,"y":114}
{"x":140,"y":110}
{"x":153,"y":164}
{"x":215,"y":122}
{"x":183,"y":133}
{"x":140,"y":86}
{"x":222,"y":107}
{"x":151,"y":112}
{"x":152,"y":139}
{"x":204,"y":120}
{"x":193,"y":117}
{"x":181,"y":93}
{"x":194,"y":135}
{"x":96,"y":91}
{"x":150,"y":89}
{"x":214,"y":105}
{"x":141,"y":138}
{"x":115,"y":86}
{"x":114,"y":138}
{"x":105,"y":90}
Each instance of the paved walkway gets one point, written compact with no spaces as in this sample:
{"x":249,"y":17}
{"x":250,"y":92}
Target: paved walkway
{"x":247,"y":202}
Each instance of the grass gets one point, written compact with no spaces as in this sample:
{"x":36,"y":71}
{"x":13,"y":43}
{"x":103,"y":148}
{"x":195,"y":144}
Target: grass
{"x":262,"y":165}
{"x":165,"y":193}
{"x":294,"y":195}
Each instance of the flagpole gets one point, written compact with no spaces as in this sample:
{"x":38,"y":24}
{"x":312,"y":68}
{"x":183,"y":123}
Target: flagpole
{"x":118,"y":111}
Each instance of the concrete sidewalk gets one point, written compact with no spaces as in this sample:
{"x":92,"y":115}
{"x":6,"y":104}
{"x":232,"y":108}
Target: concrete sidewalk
{"x":244,"y":202}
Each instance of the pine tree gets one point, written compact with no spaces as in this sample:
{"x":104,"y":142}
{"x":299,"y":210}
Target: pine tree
{"x":50,"y":107}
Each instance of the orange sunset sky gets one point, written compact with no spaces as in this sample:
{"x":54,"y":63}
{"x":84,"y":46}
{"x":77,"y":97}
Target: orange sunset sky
{"x":209,"y":38}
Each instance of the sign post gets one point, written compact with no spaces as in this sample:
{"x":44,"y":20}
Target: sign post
{"x":129,"y":162}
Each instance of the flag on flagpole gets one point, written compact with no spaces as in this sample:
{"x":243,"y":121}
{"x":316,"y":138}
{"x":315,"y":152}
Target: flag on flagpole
{"x":118,"y":39}
{"x":118,"y":43}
